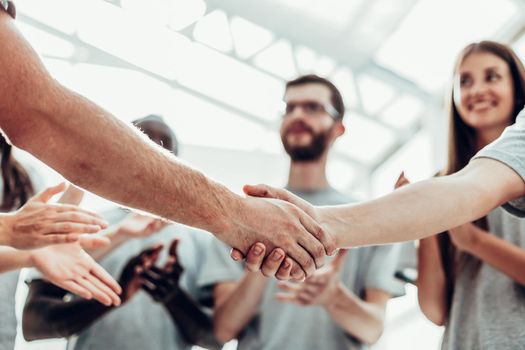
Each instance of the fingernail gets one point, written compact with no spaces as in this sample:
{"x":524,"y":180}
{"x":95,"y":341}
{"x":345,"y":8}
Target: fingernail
{"x":276,"y":256}
{"x":257,"y":250}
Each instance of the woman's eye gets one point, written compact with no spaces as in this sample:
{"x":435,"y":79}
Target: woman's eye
{"x":492,"y":76}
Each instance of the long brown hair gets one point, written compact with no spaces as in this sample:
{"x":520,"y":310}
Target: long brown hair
{"x":462,"y":145}
{"x":17,"y":186}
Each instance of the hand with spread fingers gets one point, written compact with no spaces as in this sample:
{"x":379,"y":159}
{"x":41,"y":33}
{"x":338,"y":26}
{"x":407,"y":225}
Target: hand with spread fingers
{"x":131,"y":276}
{"x":39,"y":223}
{"x":319,"y":289}
{"x":140,"y":226}
{"x":163,"y":283}
{"x":70,"y":267}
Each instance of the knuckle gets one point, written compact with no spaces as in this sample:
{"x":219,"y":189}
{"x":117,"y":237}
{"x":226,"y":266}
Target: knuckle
{"x":309,"y":264}
{"x":281,"y":277}
{"x":319,"y":252}
{"x":37,"y":226}
{"x":266,"y":273}
{"x":252,"y":267}
{"x":320,"y":233}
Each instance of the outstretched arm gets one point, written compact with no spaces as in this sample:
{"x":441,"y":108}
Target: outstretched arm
{"x":86,"y":144}
{"x":417,"y":210}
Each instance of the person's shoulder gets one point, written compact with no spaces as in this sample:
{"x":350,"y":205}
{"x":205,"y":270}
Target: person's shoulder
{"x":520,"y":119}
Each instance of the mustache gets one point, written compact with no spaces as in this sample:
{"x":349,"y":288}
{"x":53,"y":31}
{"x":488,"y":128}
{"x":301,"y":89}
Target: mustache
{"x":301,"y":124}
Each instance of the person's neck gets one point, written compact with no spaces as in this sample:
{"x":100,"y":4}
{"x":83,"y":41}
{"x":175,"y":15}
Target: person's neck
{"x":308,"y":176}
{"x":484,"y":137}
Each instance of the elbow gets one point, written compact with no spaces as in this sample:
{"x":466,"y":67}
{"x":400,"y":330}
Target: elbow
{"x":223,"y":335}
{"x":222,"y":332}
{"x":373,"y":334}
{"x":30,"y":321}
{"x":437,"y":318}
{"x":434,"y":313}
{"x":208,"y":340}
{"x":29,"y":330}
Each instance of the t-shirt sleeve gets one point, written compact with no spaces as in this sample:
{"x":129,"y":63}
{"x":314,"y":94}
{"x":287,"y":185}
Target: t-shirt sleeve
{"x":509,"y":149}
{"x":218,"y":266}
{"x":381,"y":271}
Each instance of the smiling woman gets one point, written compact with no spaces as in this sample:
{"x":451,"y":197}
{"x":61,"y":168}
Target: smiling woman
{"x":478,"y":262}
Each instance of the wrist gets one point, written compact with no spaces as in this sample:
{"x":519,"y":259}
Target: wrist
{"x":476,"y":239}
{"x":332,"y":225}
{"x":31,"y":258}
{"x":173,"y":298}
{"x":225,"y":222}
{"x":332,"y":301}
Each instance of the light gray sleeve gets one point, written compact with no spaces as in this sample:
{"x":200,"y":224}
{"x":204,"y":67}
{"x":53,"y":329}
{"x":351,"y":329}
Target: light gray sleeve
{"x":218,"y":266}
{"x":381,"y":271}
{"x":509,"y":149}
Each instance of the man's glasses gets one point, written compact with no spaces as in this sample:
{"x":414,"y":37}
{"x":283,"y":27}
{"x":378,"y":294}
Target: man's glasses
{"x":311,"y":108}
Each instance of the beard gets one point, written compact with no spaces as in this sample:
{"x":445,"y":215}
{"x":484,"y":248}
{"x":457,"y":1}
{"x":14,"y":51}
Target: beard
{"x":307,"y":153}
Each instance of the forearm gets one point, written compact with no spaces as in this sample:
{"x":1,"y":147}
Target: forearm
{"x":237,"y":309}
{"x":47,"y":315}
{"x":417,"y":210}
{"x":95,"y":150}
{"x":500,"y":254}
{"x":92,"y":153}
{"x":194,"y":324}
{"x":13,"y":259}
{"x":361,"y":319}
{"x":431,"y":281}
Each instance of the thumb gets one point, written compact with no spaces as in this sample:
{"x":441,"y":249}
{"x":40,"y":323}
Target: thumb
{"x":48,"y":193}
{"x":173,"y":248}
{"x":258,"y":191}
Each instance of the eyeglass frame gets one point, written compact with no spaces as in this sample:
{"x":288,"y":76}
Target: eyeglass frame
{"x":328,"y":109}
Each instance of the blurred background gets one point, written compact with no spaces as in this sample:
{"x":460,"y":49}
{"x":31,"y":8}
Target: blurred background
{"x":216,"y":70}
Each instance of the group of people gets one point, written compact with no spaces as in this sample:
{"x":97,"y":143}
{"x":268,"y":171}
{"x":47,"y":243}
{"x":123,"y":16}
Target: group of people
{"x":148,"y":283}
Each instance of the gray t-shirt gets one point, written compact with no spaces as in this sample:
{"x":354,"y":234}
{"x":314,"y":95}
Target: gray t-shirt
{"x":509,"y":149}
{"x":488,"y":307}
{"x":8,"y":283}
{"x":284,"y":326}
{"x":142,"y":323}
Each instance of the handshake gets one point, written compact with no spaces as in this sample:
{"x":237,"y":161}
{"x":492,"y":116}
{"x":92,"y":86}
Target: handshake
{"x":279,"y":234}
